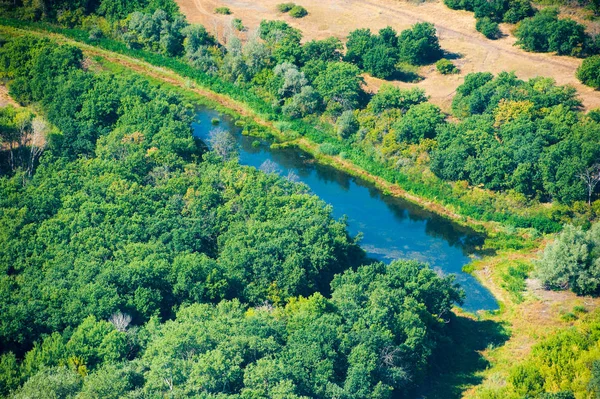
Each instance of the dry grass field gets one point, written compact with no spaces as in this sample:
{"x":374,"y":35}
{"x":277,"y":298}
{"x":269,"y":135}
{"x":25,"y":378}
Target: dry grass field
{"x":456,"y":29}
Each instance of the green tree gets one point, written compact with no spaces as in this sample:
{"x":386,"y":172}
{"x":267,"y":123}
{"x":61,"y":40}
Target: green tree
{"x":340,"y":83}
{"x":420,"y":122}
{"x":391,"y":97}
{"x":10,"y":377}
{"x":328,"y":50}
{"x":49,"y":384}
{"x":589,"y":72}
{"x":571,"y":261}
{"x":419,"y":45}
{"x":358,"y":44}
{"x":346,"y":125}
{"x":380,"y":61}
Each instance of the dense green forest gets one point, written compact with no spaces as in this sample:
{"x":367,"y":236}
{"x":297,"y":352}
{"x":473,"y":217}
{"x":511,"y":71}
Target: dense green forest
{"x":130,"y":243}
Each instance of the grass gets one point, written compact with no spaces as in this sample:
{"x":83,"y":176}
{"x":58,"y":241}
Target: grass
{"x":513,"y":280}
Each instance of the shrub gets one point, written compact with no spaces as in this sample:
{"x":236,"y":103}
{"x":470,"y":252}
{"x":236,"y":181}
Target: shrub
{"x":346,"y":124}
{"x":546,"y":33}
{"x":223,"y":10}
{"x":568,"y":317}
{"x":572,"y":261}
{"x":514,"y":280}
{"x":446,"y":67}
{"x":579,"y":309}
{"x":488,"y":28}
{"x":238,"y":25}
{"x":285,"y":7}
{"x":329,"y":149}
{"x":96,"y":33}
{"x":518,"y":10}
{"x":526,"y":379}
{"x":298,"y":12}
{"x":595,"y":115}
{"x":589,"y":72}
{"x":391,"y":97}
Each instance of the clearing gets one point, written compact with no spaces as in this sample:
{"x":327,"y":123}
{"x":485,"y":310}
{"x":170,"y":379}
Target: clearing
{"x":470,"y":50}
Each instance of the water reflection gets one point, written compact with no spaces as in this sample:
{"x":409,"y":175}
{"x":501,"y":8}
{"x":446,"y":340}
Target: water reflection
{"x":392,"y":228}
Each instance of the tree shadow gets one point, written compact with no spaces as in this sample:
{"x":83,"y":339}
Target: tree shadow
{"x":406,"y":76}
{"x":452,"y":56}
{"x":458,"y":360}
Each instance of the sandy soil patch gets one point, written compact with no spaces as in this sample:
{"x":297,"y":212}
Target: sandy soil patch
{"x":5,"y":99}
{"x":456,"y":30}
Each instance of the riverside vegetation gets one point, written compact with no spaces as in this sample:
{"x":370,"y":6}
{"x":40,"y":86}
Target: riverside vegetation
{"x":130,"y":219}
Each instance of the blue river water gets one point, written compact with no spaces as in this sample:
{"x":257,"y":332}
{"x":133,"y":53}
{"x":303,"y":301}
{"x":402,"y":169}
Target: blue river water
{"x":391,"y":228}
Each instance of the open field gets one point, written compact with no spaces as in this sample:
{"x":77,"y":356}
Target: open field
{"x":456,"y":29}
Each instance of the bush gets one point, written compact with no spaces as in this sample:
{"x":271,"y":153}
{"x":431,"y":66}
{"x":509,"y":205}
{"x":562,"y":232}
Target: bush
{"x":285,"y":7}
{"x":511,"y":11}
{"x":526,"y":379}
{"x":488,"y":28}
{"x":346,"y":124}
{"x":514,"y":280}
{"x":546,"y":33}
{"x":298,"y":12}
{"x":223,"y":10}
{"x":589,"y":72}
{"x":96,"y":33}
{"x":572,"y":261}
{"x":446,"y":67}
{"x":238,"y":25}
{"x":329,"y":149}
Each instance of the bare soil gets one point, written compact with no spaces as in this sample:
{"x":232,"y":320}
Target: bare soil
{"x":470,"y":50}
{"x":6,"y":99}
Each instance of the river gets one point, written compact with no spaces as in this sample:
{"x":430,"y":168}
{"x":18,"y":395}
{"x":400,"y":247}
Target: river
{"x":391,"y":228}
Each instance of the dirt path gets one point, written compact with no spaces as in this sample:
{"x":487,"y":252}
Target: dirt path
{"x":455,"y":28}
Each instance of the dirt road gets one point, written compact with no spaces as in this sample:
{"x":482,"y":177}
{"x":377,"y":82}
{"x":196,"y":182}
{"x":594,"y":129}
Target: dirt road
{"x":456,"y":30}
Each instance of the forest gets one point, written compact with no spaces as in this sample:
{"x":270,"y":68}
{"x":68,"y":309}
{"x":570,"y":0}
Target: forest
{"x":129,"y":219}
{"x":137,"y":263}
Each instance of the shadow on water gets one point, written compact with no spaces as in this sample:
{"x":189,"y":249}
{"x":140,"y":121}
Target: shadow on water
{"x":391,"y":227}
